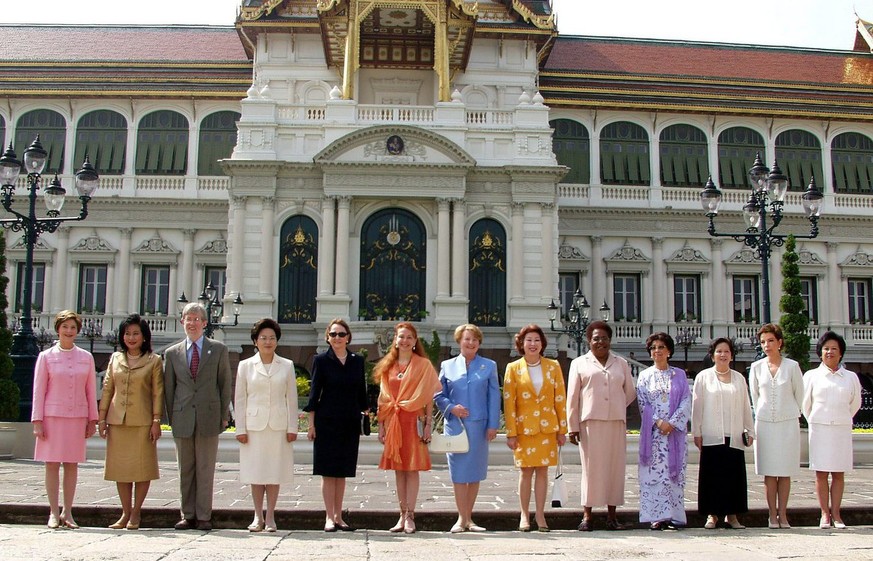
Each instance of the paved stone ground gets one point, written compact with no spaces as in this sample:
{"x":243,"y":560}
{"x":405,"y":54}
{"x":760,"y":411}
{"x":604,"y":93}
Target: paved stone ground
{"x":370,"y":498}
{"x":36,"y":543}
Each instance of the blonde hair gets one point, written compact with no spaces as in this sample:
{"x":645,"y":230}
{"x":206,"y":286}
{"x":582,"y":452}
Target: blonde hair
{"x":459,"y":331}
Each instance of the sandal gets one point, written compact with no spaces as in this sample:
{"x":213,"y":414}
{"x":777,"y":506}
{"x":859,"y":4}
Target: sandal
{"x":711,"y":522}
{"x":409,"y":524}
{"x":614,"y":525}
{"x":656,"y":526}
{"x":587,"y":525}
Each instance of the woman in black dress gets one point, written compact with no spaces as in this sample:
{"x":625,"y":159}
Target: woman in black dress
{"x":336,"y":401}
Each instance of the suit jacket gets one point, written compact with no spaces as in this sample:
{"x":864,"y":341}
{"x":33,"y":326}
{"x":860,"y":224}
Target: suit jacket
{"x":200,"y":405}
{"x":776,"y":398}
{"x":64,"y":384}
{"x":476,"y":389}
{"x":132,"y":397}
{"x":597,"y":392}
{"x":526,"y":411}
{"x":265,"y":399}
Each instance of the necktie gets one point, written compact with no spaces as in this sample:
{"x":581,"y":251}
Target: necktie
{"x":195,"y":361}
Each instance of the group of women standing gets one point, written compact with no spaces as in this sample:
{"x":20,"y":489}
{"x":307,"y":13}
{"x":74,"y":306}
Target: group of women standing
{"x":539,"y":414}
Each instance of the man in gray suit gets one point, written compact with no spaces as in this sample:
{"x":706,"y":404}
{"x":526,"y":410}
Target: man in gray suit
{"x":197,"y":387}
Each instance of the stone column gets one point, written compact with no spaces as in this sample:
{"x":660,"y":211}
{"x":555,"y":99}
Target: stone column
{"x":836,"y":295}
{"x":327,"y":246}
{"x":598,"y":274}
{"x":660,"y":295}
{"x":123,"y":293}
{"x":344,"y":205}
{"x":268,"y":259}
{"x":444,"y":249}
{"x":721,"y":296}
{"x":517,"y":255}
{"x":186,"y":282}
{"x":548,"y":280}
{"x":62,"y":279}
{"x":459,"y":219}
{"x":236,"y":259}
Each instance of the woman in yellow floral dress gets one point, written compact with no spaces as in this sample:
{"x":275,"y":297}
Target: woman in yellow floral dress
{"x":536,"y":419}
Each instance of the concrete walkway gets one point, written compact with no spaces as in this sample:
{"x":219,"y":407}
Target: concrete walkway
{"x":371,"y":503}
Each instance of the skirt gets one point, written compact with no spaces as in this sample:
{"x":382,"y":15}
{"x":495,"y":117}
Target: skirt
{"x":130,"y":455}
{"x":64,"y":442}
{"x":267,"y":458}
{"x":414,"y":455}
{"x":777,"y":448}
{"x":472,"y":466}
{"x":830,"y":448}
{"x":536,"y":450}
{"x":602,"y":450}
{"x":722,"y":487}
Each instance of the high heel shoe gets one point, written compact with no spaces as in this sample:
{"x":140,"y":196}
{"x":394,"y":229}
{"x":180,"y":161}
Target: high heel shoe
{"x":409,"y":524}
{"x":711,"y":522}
{"x":119,"y":524}
{"x":69,"y":523}
{"x":397,"y":528}
{"x":54,"y":522}
{"x":839,"y":525}
{"x":132,"y":525}
{"x":256,"y":526}
{"x":825,"y":523}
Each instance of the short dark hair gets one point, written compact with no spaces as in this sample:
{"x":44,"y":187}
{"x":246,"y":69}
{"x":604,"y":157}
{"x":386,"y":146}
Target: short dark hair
{"x":831,"y":336}
{"x":266,"y":323}
{"x":773,"y":328}
{"x":136,"y":319}
{"x":337,"y":321}
{"x":599,"y":324}
{"x":662,"y":337}
{"x":719,"y":341}
{"x":532,"y":328}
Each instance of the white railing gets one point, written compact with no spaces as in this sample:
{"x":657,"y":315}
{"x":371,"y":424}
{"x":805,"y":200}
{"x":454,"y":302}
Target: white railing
{"x":404,"y":114}
{"x":490,"y":117}
{"x":160,"y":183}
{"x":213,"y":183}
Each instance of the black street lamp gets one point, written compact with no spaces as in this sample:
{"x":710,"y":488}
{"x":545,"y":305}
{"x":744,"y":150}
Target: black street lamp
{"x":214,"y":309}
{"x":578,"y":319}
{"x":92,"y":329}
{"x":768,"y":192}
{"x":686,"y":337}
{"x":24,"y":344}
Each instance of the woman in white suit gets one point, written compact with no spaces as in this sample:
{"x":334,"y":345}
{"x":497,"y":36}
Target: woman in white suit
{"x":266,"y":422}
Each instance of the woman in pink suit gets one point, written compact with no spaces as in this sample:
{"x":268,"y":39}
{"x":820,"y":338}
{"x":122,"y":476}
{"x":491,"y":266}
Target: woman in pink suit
{"x":64,"y":413}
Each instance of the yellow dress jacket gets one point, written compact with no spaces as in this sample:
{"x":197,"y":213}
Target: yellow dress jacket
{"x":529,"y":413}
{"x":132,"y":396}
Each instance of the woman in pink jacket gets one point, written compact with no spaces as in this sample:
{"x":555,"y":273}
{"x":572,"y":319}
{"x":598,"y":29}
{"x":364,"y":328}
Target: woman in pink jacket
{"x":64,"y":413}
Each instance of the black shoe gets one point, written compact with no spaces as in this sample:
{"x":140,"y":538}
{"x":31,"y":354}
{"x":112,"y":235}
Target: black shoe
{"x":657,"y":526}
{"x":586,"y":525}
{"x":345,"y":528}
{"x":186,"y":524}
{"x":205,"y":525}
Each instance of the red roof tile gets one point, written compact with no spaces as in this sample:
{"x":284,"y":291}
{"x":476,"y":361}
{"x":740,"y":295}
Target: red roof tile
{"x":709,"y":60}
{"x":123,"y":43}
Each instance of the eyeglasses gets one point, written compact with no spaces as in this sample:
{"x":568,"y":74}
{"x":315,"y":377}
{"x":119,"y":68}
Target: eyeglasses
{"x":267,"y":339}
{"x":599,"y":339}
{"x":340,"y":334}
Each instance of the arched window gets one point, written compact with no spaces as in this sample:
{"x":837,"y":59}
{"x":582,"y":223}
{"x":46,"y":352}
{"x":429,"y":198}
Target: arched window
{"x":572,"y":148}
{"x":217,"y":139}
{"x":102,"y":135}
{"x":737,"y":147}
{"x":52,"y":130}
{"x":852,"y":159}
{"x":298,"y":270}
{"x":799,"y":155}
{"x":624,"y":154}
{"x":162,"y":144}
{"x":487,"y":273}
{"x":684,"y":162}
{"x":393,"y":266}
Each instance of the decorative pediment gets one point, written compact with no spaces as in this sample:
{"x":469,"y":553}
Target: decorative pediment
{"x":217,"y":246}
{"x":858,"y":263}
{"x":743,"y":262}
{"x":92,"y":249}
{"x":41,"y":250}
{"x":402,"y":145}
{"x":567,"y":252}
{"x":807,"y":258}
{"x":628,"y":259}
{"x":155,"y":250}
{"x":688,"y":260}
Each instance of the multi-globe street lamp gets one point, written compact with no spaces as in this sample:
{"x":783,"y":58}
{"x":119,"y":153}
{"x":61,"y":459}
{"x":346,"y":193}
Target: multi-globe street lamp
{"x":577,"y":319}
{"x":766,"y":199}
{"x":24,"y":345}
{"x":214,"y":309}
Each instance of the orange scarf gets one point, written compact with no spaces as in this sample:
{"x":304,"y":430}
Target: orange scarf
{"x":417,"y":388}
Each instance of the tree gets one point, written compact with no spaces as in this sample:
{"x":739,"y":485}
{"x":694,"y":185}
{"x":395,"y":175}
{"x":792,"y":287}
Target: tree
{"x":794,"y":320}
{"x":10,"y":394}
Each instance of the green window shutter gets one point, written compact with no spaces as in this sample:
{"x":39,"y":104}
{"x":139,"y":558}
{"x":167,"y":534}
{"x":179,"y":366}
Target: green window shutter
{"x":606,"y":170}
{"x":840,"y":170}
{"x":667,"y":170}
{"x":645,"y":173}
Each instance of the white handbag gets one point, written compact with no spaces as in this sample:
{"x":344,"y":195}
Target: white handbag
{"x":559,"y":486}
{"x":444,"y":443}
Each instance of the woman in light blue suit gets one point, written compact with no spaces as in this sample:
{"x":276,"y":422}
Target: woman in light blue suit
{"x":470,"y":391}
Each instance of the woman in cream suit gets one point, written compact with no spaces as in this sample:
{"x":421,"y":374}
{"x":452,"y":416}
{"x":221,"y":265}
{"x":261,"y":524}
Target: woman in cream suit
{"x":266,"y":422}
{"x":776,"y":385}
{"x":536,"y":419}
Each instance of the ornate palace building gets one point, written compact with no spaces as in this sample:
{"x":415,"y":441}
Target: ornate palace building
{"x":438,"y":160}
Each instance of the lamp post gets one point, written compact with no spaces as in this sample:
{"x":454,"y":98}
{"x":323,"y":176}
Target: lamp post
{"x":766,"y":197}
{"x":92,"y":329}
{"x":24,"y":345}
{"x":578,"y":318}
{"x":686,"y":337}
{"x":214,"y":309}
